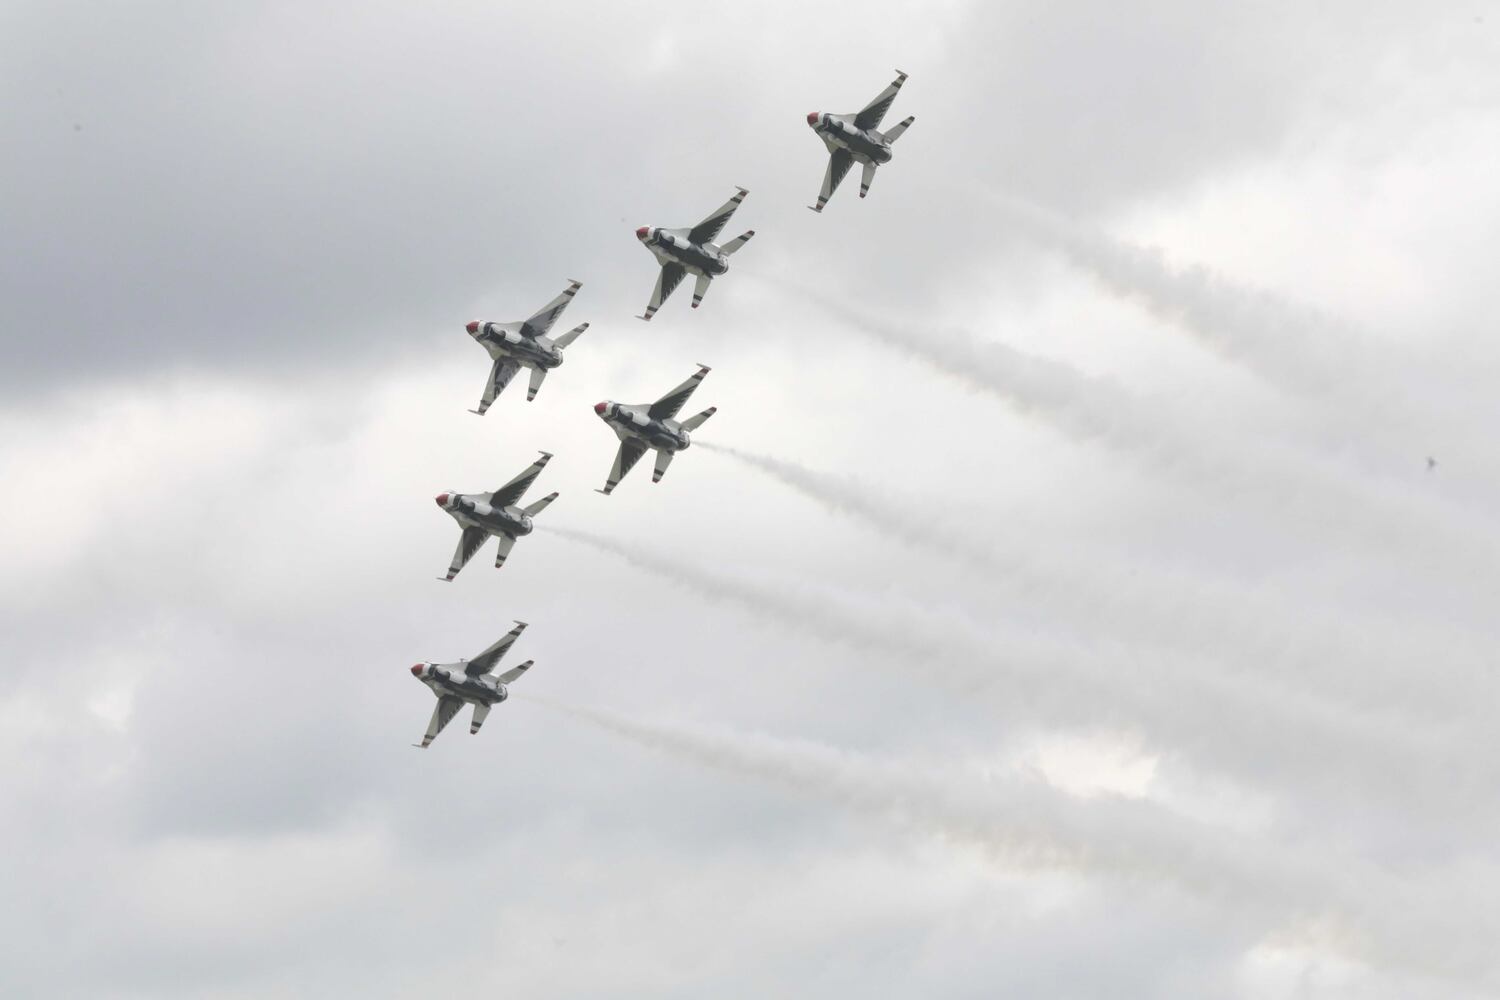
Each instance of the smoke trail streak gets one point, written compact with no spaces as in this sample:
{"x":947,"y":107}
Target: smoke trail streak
{"x":1342,"y":904}
{"x":1293,"y":348}
{"x":1239,"y":727}
{"x":1099,"y":411}
{"x":1364,"y":390}
{"x":1372,"y":664}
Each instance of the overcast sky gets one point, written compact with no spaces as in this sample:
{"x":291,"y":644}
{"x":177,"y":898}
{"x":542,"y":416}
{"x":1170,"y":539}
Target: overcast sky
{"x":1060,"y":604}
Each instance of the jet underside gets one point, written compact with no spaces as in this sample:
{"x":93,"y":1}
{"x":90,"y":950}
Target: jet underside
{"x":859,"y":143}
{"x":691,"y":256}
{"x":501,"y":342}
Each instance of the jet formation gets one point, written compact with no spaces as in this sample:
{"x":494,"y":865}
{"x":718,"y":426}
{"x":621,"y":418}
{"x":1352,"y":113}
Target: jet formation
{"x":646,"y":426}
{"x":481,"y":515}
{"x":640,"y":427}
{"x":469,"y":682}
{"x":691,"y":251}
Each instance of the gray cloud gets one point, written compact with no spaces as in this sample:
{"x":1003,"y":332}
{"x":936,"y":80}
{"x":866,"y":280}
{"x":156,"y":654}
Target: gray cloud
{"x":241,"y":245}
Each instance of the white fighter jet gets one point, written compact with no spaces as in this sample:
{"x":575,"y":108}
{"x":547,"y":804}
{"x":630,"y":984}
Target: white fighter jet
{"x":857,"y":137}
{"x":514,"y":346}
{"x":472,"y":681}
{"x":680,"y":251}
{"x":651,"y":425}
{"x":481,"y":515}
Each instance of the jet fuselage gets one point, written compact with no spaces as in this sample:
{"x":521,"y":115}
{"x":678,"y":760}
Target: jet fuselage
{"x":839,"y":133}
{"x":669,"y":248}
{"x":472,"y":511}
{"x":633,"y":421}
{"x":506,"y":340}
{"x":450,"y":679}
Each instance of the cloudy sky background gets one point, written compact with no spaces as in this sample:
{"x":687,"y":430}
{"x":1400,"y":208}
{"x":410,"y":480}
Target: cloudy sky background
{"x":1066,"y":608}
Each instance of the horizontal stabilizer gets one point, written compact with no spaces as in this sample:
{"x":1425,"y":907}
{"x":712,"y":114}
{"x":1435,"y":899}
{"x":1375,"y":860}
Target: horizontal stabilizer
{"x":510,"y":676}
{"x":896,"y":130}
{"x":734,"y":244}
{"x":507,"y":542}
{"x":570,"y":336}
{"x":663,"y":459}
{"x":533,"y":509}
{"x":693,"y":423}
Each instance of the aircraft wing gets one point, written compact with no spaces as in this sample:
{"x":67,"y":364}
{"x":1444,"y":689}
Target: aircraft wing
{"x":509,"y":677}
{"x":709,"y":229}
{"x":666,"y":283}
{"x":442,"y":714}
{"x":874,"y":112}
{"x":839,"y":163}
{"x":667,"y":407}
{"x":501,"y":372}
{"x":512,"y":491}
{"x":543,"y":320}
{"x":630,"y":453}
{"x":468,"y":544}
{"x":485,"y":661}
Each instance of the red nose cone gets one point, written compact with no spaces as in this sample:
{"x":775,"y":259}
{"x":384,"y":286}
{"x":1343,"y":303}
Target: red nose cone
{"x":473,"y":326}
{"x":812,"y":118}
{"x":599,"y":408}
{"x":416,"y":671}
{"x":641,"y":233}
{"x":442,"y":499}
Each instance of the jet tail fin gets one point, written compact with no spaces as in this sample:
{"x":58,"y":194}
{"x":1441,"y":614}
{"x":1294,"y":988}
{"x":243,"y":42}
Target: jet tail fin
{"x":693,"y":423}
{"x":734,"y":244}
{"x":533,"y":509}
{"x":894,"y":133}
{"x":570,"y":336}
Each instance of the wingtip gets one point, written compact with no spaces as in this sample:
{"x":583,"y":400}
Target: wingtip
{"x":742,"y":191}
{"x":705,"y":369}
{"x":477,"y":413}
{"x":901,"y":73}
{"x":519,"y":622}
{"x":544,"y":454}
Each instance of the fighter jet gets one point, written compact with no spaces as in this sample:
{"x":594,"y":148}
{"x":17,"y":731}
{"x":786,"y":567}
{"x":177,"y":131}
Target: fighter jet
{"x":651,"y":425}
{"x":471,"y":681}
{"x":514,"y":346}
{"x":481,"y":515}
{"x":681,"y":251}
{"x":857,"y":137}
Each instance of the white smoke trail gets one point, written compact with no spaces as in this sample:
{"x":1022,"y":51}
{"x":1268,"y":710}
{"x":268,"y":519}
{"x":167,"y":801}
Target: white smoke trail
{"x":1340,"y":904}
{"x":1267,"y":480}
{"x":1368,"y":395}
{"x":1294,"y":348}
{"x":1366,"y":664}
{"x":1232,"y":724}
